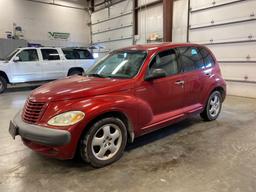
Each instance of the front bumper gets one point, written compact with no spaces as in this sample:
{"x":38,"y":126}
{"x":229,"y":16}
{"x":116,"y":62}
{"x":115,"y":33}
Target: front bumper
{"x":38,"y":134}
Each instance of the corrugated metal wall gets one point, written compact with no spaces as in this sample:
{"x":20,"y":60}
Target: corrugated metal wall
{"x":113,"y":27}
{"x":228,"y":28}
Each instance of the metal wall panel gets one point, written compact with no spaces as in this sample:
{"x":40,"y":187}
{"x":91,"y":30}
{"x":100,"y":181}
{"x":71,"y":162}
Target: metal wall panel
{"x":145,"y":2}
{"x":119,"y":44}
{"x":236,"y":71}
{"x":150,"y":20}
{"x":180,"y":20}
{"x":113,"y":35}
{"x":121,"y":8}
{"x":224,"y":13}
{"x":225,"y":32}
{"x":235,"y":52}
{"x":113,"y":27}
{"x":200,"y":3}
{"x":113,"y":24}
{"x":109,"y":46}
{"x":205,"y":4}
{"x":99,"y":16}
{"x":228,"y":28}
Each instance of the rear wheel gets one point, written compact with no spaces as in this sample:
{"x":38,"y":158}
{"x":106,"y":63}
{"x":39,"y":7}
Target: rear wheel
{"x":3,"y":84}
{"x":104,"y":142}
{"x":213,"y":107}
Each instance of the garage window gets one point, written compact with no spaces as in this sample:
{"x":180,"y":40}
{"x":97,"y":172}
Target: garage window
{"x":50,"y":54}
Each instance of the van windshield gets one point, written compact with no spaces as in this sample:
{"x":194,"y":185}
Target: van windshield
{"x":121,"y":64}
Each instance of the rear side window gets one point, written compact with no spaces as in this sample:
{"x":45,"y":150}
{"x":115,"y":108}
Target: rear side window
{"x":84,"y":54}
{"x":70,"y":54}
{"x":50,"y":54}
{"x":28,"y":55}
{"x":77,"y":54}
{"x":190,"y":58}
{"x":207,"y":57}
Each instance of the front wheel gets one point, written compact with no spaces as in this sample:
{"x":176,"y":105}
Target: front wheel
{"x":104,"y":142}
{"x":213,"y":107}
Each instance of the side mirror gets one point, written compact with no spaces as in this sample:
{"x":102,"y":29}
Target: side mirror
{"x":156,"y":74}
{"x":16,"y":59}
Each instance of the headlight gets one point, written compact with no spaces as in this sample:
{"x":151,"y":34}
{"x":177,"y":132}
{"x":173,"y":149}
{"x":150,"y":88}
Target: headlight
{"x":67,"y":118}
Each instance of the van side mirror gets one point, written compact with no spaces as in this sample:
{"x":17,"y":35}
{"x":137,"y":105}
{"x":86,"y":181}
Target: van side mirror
{"x":16,"y":59}
{"x":156,"y":74}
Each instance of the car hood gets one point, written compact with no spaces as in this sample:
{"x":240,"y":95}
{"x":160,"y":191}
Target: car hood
{"x":78,"y":87}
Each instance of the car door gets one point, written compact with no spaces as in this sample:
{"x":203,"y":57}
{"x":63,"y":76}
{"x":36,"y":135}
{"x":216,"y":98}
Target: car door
{"x":52,"y":65}
{"x":26,"y":67}
{"x":164,"y":96}
{"x":194,"y":77}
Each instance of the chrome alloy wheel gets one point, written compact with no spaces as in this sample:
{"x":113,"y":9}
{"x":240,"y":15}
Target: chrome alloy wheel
{"x":106,"y":142}
{"x":215,"y":104}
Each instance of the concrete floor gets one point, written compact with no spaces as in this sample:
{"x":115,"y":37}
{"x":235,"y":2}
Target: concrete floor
{"x":191,"y":156}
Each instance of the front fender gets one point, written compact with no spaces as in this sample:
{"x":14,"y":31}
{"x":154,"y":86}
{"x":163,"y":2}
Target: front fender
{"x":93,"y":107}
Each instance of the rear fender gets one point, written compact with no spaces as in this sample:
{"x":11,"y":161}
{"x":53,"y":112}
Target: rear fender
{"x":217,"y":82}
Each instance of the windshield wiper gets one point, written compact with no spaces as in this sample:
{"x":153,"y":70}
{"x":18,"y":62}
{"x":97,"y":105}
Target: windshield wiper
{"x":96,"y":75}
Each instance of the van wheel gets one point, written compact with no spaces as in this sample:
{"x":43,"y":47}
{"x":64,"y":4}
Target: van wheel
{"x":3,"y":84}
{"x":75,"y":72}
{"x":213,"y":107}
{"x":104,"y":142}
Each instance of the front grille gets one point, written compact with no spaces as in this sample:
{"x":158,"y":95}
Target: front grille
{"x":32,"y":111}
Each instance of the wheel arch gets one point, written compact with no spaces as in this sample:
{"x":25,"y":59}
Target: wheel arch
{"x":221,"y":90}
{"x":3,"y":74}
{"x":115,"y":113}
{"x":75,"y":68}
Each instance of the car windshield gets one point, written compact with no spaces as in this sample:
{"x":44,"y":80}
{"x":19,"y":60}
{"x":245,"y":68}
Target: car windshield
{"x":10,"y":56}
{"x":121,"y":64}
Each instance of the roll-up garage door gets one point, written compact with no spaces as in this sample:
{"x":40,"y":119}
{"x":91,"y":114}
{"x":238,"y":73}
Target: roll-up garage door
{"x":228,"y":28}
{"x":112,"y":27}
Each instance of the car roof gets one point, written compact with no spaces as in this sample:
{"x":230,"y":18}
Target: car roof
{"x":152,"y":47}
{"x":38,"y":47}
{"x":79,"y":48}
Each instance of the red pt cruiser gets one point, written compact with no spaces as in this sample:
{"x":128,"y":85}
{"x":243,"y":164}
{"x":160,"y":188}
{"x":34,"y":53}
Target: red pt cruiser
{"x":128,"y":93}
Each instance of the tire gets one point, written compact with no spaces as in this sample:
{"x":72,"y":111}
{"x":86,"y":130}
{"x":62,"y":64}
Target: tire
{"x":3,"y":84}
{"x":75,"y":72}
{"x":213,"y":107}
{"x":104,"y":142}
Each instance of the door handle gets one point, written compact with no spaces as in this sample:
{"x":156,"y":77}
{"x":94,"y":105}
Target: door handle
{"x":180,"y":82}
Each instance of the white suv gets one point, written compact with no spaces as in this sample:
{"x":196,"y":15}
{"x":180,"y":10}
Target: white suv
{"x":44,"y":63}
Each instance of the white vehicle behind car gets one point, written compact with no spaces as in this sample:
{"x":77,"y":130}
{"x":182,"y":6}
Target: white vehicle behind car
{"x":43,"y":64}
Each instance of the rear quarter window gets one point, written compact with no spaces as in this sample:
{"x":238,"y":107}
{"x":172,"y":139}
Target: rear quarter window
{"x":190,"y":58}
{"x":77,"y":54}
{"x":207,"y":57}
